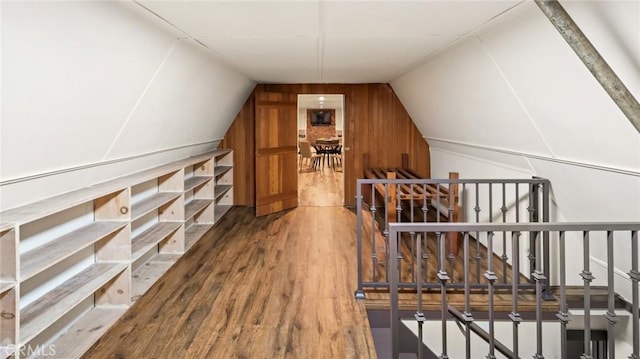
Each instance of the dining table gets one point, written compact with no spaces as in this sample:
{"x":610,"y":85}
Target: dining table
{"x":327,"y":147}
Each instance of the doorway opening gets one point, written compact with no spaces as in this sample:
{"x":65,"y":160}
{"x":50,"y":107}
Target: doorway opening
{"x":320,"y":150}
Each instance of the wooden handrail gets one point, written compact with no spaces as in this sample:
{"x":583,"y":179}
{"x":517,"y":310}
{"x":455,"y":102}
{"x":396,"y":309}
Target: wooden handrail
{"x":447,"y":197}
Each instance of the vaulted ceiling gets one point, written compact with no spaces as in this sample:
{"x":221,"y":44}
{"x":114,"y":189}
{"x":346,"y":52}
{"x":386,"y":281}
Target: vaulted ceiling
{"x":320,"y":41}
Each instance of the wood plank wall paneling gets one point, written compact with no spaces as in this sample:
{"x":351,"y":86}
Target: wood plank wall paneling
{"x":241,"y":138}
{"x":375,"y":122}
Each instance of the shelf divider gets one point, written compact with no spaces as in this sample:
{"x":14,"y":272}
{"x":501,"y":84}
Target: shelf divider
{"x":6,"y":285}
{"x":149,"y":204}
{"x":145,"y":276}
{"x":220,"y":211}
{"x":109,"y":283}
{"x":86,"y":331}
{"x":151,"y":237}
{"x":9,"y":250}
{"x":220,"y":170}
{"x":9,"y":320}
{"x":195,"y":206}
{"x":221,"y":189}
{"x":194,"y":233}
{"x":47,"y":255}
{"x":57,"y":302}
{"x":195,"y":181}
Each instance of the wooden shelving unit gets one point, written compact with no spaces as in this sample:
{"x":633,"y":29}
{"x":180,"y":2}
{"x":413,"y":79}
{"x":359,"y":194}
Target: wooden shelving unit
{"x":199,"y":216}
{"x":193,"y":182}
{"x":160,"y":207}
{"x":57,"y":302}
{"x":6,"y":286}
{"x":223,"y":194}
{"x":152,"y":203}
{"x":72,"y":264}
{"x":221,"y":189}
{"x":9,"y":250}
{"x":85,"y":266}
{"x":149,"y":272}
{"x":43,"y":257}
{"x":84,"y":332}
{"x":194,"y":207}
{"x":195,"y":232}
{"x":8,"y":290}
{"x":221,"y":169}
{"x":150,"y":238}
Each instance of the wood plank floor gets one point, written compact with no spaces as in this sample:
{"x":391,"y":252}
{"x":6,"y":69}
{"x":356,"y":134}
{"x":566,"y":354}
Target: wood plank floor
{"x":279,"y":286}
{"x":320,"y":188}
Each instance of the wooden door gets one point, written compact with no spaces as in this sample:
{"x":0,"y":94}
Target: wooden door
{"x":276,"y":152}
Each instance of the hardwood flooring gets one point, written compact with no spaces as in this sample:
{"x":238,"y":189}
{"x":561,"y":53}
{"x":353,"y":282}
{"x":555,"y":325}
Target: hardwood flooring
{"x":320,"y":188}
{"x":279,"y":286}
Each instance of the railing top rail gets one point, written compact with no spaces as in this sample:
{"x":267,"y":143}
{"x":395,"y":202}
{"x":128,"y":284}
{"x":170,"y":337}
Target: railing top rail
{"x":514,"y":227}
{"x":446,"y":180}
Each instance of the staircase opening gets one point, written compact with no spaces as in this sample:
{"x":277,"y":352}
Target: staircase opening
{"x":575,"y":344}
{"x":515,"y":288}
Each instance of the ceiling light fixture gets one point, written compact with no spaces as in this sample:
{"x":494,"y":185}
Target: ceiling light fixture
{"x":321,"y":98}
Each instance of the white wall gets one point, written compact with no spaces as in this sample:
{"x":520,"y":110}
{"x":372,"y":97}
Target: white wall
{"x":340,"y":119}
{"x":514,"y":100}
{"x":92,"y":83}
{"x":503,"y":331}
{"x":302,"y":118}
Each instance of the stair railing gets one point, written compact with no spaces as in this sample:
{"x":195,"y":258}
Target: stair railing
{"x":478,"y":200}
{"x":621,"y":235}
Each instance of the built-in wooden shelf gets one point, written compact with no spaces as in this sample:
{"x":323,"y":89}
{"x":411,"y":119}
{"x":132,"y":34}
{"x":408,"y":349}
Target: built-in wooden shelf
{"x":6,"y":285}
{"x":88,"y":231}
{"x":61,"y":202}
{"x":195,"y":181}
{"x":45,"y":256}
{"x":194,"y":233}
{"x":221,"y":189}
{"x":86,"y":331}
{"x":192,"y":208}
{"x":59,"y":301}
{"x":167,"y":257}
{"x":7,"y":351}
{"x":154,"y":202}
{"x":221,"y":210}
{"x":142,"y":243}
{"x":143,"y":278}
{"x":220,"y":170}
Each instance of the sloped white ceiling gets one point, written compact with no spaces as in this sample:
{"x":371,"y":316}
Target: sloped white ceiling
{"x":91,"y":90}
{"x":515,"y":101}
{"x":85,"y":82}
{"x":518,"y":86}
{"x":320,"y":41}
{"x":68,"y":83}
{"x":516,"y":97}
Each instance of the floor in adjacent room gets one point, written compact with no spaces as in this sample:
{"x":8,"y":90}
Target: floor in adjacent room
{"x":320,"y":187}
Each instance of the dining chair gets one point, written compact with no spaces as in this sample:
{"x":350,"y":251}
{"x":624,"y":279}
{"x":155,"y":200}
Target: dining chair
{"x":306,"y":153}
{"x":336,"y":156}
